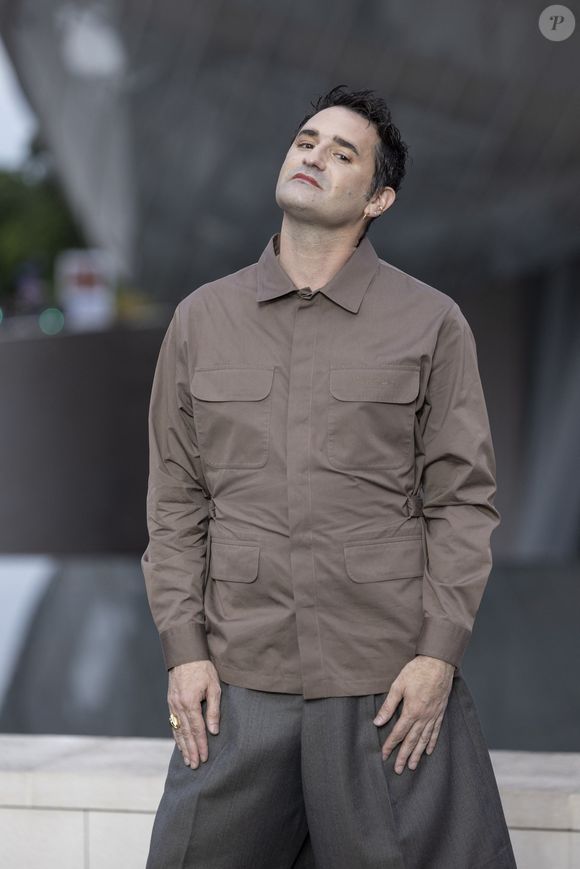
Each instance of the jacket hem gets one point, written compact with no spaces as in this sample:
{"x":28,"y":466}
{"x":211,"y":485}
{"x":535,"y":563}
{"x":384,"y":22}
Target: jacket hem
{"x":312,"y":689}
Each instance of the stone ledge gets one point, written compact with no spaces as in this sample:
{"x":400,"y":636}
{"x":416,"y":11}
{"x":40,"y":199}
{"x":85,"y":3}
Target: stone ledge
{"x":80,"y":772}
{"x":539,"y":790}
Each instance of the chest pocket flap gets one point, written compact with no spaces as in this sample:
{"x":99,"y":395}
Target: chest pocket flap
{"x":232,"y":384}
{"x":232,"y":408}
{"x":390,"y":384}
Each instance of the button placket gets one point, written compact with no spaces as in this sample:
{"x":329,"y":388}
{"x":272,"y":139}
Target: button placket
{"x":302,"y":359}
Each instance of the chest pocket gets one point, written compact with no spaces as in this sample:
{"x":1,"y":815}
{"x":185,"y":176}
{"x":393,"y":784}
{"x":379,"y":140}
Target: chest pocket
{"x":232,"y":408}
{"x":370,"y":416}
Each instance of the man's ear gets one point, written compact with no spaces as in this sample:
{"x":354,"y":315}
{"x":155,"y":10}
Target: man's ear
{"x":385,"y":198}
{"x":379,"y":202}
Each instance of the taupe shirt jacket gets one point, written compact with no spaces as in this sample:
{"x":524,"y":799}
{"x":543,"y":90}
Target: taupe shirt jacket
{"x":321,"y":481}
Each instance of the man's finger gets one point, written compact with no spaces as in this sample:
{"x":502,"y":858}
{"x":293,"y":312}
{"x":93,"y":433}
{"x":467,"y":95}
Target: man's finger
{"x":212,"y":712}
{"x":180,"y":746}
{"x":176,"y":735}
{"x":397,"y":734}
{"x":435,"y":734}
{"x":408,"y":745}
{"x":181,"y":737}
{"x":190,"y":751}
{"x":422,"y":743}
{"x":198,"y":732}
{"x":392,"y":700}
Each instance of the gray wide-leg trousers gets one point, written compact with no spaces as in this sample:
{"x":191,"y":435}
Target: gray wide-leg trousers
{"x":300,"y":784}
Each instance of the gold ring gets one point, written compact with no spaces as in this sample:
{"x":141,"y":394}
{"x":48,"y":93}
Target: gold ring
{"x":174,"y":721}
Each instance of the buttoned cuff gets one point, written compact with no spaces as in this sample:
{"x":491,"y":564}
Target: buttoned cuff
{"x":184,"y":643}
{"x":440,"y":638}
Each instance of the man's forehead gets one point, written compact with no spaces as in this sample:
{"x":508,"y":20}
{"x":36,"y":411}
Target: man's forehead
{"x":341,"y":121}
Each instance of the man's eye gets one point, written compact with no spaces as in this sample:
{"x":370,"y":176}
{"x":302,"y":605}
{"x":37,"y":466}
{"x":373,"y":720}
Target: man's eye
{"x":343,"y":157}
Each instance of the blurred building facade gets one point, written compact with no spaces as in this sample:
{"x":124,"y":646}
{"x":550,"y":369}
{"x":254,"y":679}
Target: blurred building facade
{"x":168,"y":123}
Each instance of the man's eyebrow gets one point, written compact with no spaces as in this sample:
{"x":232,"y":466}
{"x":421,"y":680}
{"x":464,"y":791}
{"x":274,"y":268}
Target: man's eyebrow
{"x":310,"y":131}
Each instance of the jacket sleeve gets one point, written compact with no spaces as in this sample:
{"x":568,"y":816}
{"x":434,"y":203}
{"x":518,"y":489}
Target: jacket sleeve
{"x":173,"y":563}
{"x":459,"y":485}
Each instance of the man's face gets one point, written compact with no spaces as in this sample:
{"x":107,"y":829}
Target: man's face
{"x":336,"y":148}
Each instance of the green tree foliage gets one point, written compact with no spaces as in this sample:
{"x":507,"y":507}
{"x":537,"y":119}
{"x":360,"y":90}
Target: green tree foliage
{"x":35,"y":224}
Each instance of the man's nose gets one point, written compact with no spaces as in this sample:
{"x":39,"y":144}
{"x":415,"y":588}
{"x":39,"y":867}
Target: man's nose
{"x":314,"y":157}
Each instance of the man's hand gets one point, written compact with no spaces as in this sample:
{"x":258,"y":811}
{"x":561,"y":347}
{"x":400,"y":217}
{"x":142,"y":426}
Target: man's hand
{"x":425,"y":683}
{"x":189,"y":684}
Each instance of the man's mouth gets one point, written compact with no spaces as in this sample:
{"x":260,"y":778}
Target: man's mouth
{"x":308,"y":178}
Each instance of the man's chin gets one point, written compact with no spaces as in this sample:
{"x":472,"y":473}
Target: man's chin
{"x":299,"y":208}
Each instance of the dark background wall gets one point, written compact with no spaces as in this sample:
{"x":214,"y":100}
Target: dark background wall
{"x":73,"y":441}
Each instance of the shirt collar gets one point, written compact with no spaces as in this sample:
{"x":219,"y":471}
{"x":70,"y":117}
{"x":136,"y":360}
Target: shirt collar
{"x":346,"y":288}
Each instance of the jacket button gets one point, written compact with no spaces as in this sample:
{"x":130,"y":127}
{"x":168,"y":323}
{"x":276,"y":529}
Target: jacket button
{"x":305,"y":293}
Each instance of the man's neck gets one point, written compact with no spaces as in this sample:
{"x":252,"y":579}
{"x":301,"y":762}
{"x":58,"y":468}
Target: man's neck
{"x":311,"y":256}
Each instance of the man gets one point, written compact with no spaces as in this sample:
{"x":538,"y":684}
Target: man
{"x":320,"y":507}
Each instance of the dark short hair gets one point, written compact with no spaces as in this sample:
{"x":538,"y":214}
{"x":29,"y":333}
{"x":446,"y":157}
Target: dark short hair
{"x":391,"y":152}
